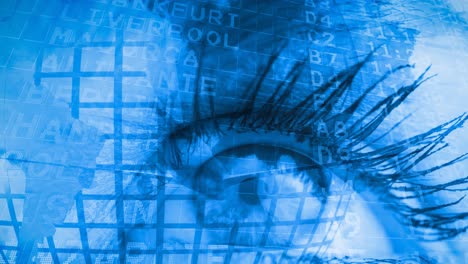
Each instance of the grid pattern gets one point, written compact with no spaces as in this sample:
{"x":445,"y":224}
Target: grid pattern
{"x":118,"y":227}
{"x":48,"y":251}
{"x":117,"y":74}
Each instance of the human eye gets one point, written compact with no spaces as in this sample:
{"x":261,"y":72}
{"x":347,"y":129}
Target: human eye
{"x":224,"y":157}
{"x":243,"y":163}
{"x":236,"y":132}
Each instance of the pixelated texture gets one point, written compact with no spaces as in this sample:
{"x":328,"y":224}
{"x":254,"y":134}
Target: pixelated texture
{"x":98,"y":72}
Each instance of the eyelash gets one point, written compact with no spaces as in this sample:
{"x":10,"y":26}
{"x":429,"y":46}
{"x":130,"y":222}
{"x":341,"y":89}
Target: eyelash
{"x":373,"y":166}
{"x":392,"y":165}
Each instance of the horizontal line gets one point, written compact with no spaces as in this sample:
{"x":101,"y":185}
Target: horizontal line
{"x":172,"y":197}
{"x":143,"y":136}
{"x":88,"y":74}
{"x":131,"y":197}
{"x":112,"y":44}
{"x":186,"y":225}
{"x":123,"y":105}
{"x":129,"y":167}
{"x":236,"y":248}
{"x":12,"y":196}
{"x":97,"y":44}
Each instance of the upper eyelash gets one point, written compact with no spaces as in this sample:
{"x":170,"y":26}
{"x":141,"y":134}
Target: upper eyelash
{"x":373,"y":167}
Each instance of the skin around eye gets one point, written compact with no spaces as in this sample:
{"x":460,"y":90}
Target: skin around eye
{"x":207,"y":182}
{"x":373,"y":68}
{"x":275,"y":193}
{"x":57,"y":36}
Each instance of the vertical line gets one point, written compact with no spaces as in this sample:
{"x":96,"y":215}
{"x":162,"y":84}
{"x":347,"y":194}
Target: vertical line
{"x":118,"y":61}
{"x":82,"y":227}
{"x":75,"y":96}
{"x":11,"y":211}
{"x":266,"y":232}
{"x":75,"y":112}
{"x":14,"y":220}
{"x":161,"y":207}
{"x":232,"y":243}
{"x":4,"y":257}
{"x":38,"y":70}
{"x":25,"y":255}
{"x":298,"y":222}
{"x":314,"y":230}
{"x":53,"y":252}
{"x":199,"y":229}
{"x":327,"y":245}
{"x":26,"y":250}
{"x":160,"y":212}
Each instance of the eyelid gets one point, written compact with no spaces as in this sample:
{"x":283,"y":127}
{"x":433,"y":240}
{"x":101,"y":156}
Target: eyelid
{"x":232,"y":137}
{"x":368,"y":165}
{"x":228,"y":140}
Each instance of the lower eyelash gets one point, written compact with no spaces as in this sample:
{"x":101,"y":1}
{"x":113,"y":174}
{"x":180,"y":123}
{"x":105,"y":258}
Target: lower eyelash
{"x":389,"y":166}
